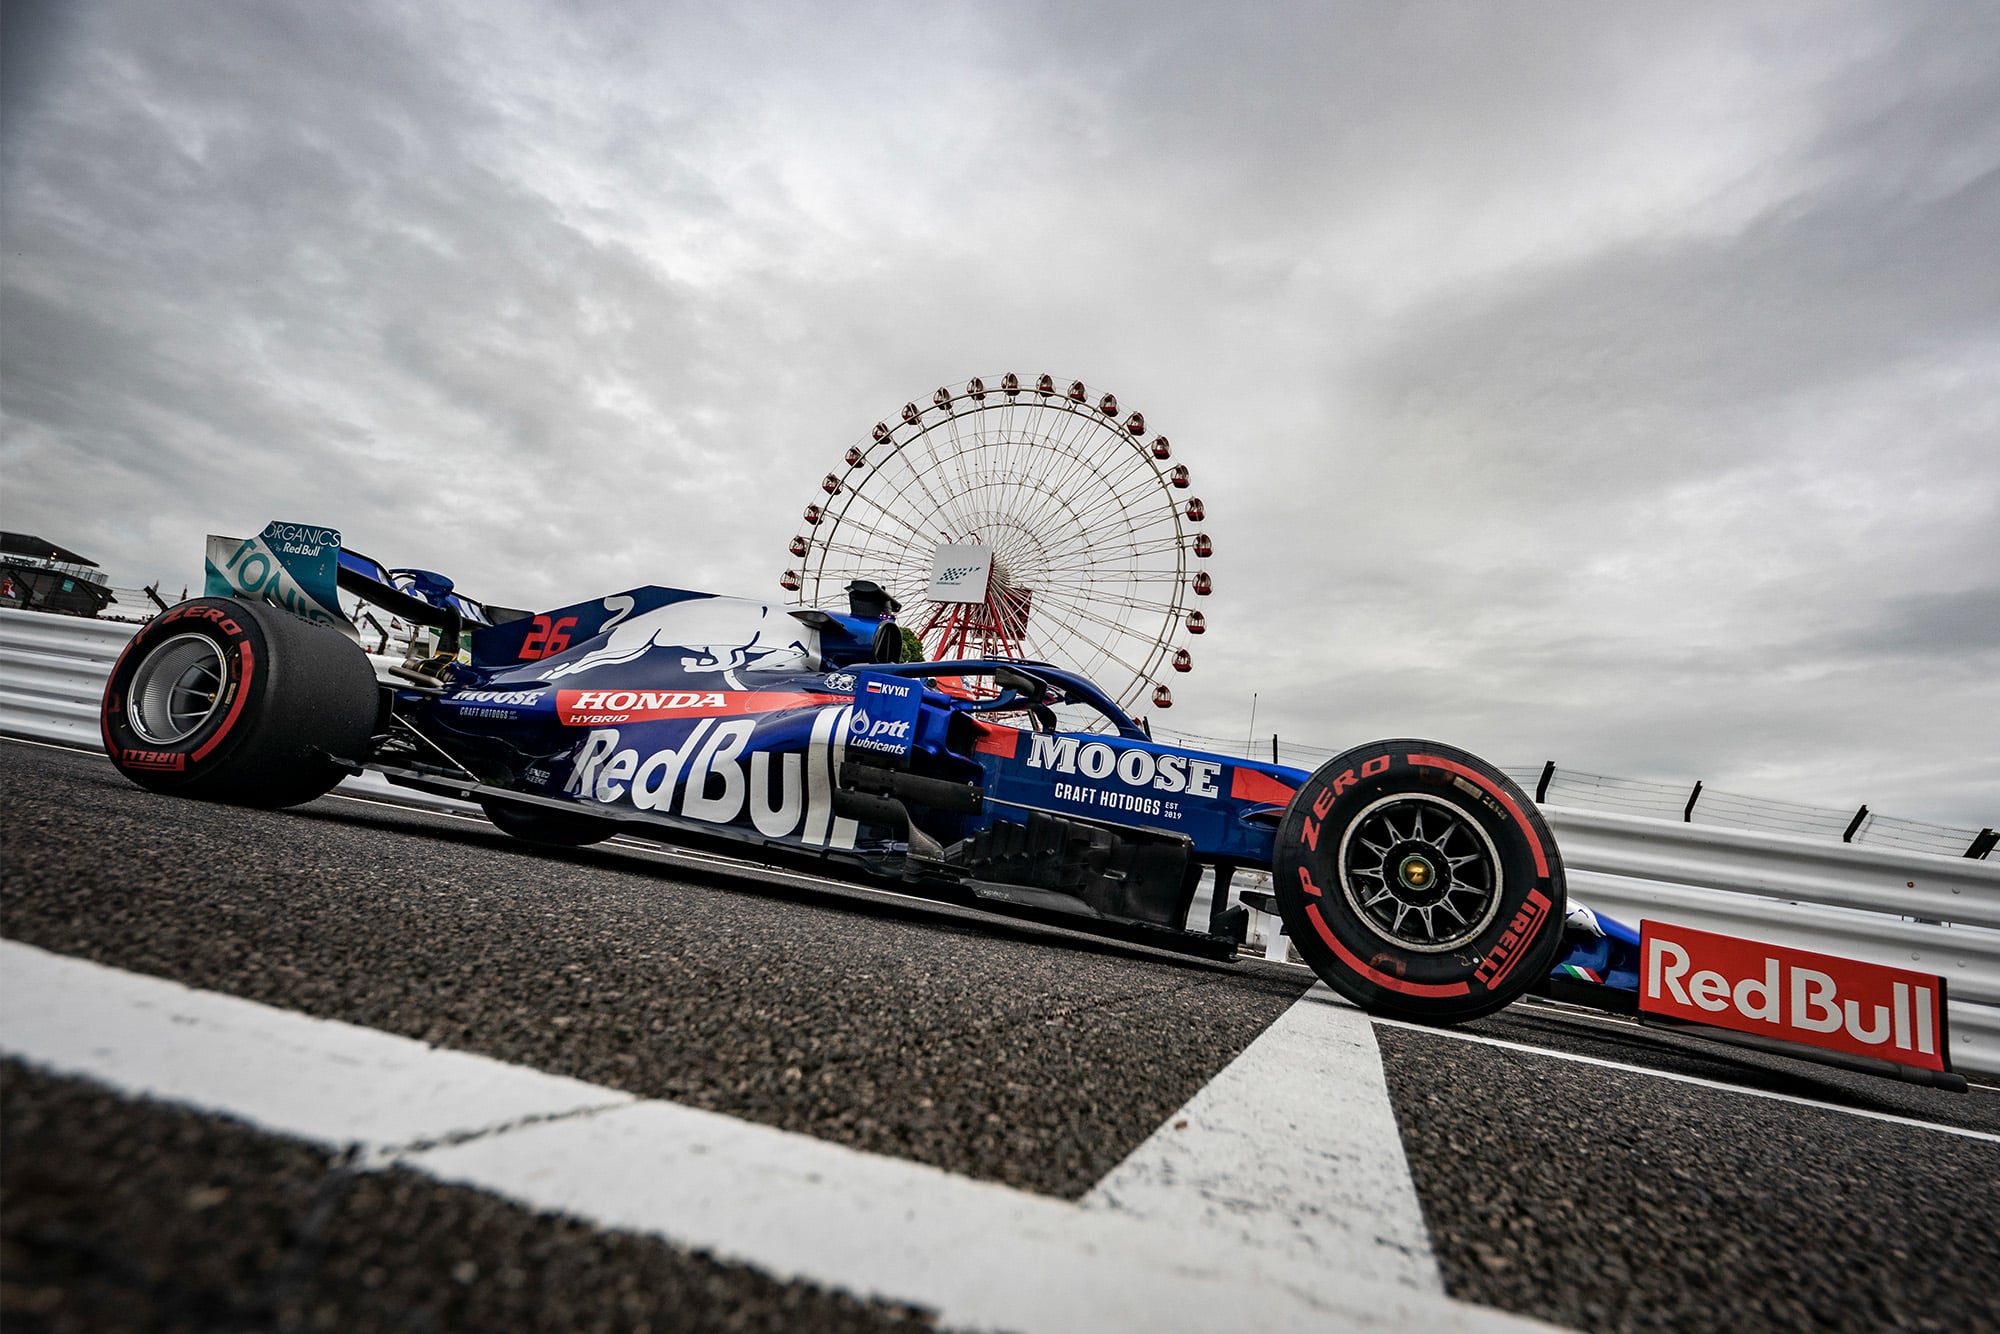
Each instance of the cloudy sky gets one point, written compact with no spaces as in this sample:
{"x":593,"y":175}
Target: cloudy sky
{"x":1618,"y":384}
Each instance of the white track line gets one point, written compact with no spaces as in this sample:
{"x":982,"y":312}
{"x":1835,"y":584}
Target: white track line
{"x":1291,"y":1149}
{"x":157,"y":1039}
{"x":1457,"y":1036}
{"x":978,"y":1254}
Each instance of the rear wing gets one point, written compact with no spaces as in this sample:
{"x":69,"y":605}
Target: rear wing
{"x":303,"y":568}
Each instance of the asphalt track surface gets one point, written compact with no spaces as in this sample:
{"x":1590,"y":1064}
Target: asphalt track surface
{"x":1595,"y":1193}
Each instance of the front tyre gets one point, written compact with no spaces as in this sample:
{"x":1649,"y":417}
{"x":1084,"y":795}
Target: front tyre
{"x":234,"y":701}
{"x":1419,"y":881}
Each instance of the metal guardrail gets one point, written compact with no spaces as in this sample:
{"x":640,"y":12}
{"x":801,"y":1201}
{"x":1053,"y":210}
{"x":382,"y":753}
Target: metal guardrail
{"x":1739,"y":862}
{"x":52,"y":674}
{"x":1932,"y":913}
{"x":1555,"y":785}
{"x":1704,"y":805}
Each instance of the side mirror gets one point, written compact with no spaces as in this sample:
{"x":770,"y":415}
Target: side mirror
{"x":1030,"y":688}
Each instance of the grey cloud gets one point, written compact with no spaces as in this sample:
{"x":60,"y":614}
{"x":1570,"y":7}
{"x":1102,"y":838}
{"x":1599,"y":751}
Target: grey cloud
{"x":1612,"y":385}
{"x":1955,"y":627}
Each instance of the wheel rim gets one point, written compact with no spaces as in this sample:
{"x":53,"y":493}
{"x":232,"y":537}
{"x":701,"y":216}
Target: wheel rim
{"x":1420,"y":873}
{"x":176,"y":689}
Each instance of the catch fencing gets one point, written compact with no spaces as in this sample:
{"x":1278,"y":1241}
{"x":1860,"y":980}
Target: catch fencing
{"x":1932,"y":913}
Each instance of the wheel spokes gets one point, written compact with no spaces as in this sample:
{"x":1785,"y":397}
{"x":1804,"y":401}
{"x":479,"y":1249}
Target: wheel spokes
{"x":1420,"y":872}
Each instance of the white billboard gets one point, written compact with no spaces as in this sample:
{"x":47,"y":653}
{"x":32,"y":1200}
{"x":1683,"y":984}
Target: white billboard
{"x":960,"y":573}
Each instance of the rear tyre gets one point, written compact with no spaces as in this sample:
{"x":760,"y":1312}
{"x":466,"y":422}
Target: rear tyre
{"x":241,"y":702}
{"x":1419,"y":881}
{"x":557,"y":829}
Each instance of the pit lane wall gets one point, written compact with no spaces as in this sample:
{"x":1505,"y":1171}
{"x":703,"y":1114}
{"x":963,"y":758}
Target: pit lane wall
{"x":1911,"y":909}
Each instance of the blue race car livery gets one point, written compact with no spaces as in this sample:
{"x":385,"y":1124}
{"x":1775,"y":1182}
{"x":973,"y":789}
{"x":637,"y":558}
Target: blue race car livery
{"x":1414,"y":878}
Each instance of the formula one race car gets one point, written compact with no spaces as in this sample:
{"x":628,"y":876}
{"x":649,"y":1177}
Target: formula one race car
{"x":1413,"y":877}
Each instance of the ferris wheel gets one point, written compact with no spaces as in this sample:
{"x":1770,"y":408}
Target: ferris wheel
{"x":1019,"y":522}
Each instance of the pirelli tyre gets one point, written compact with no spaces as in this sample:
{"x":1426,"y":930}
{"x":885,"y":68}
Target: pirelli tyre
{"x":535,"y":824}
{"x":1419,"y":881}
{"x":239,"y":702}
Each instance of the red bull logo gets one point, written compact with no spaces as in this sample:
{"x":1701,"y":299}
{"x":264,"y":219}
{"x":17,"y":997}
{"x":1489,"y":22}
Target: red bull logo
{"x":1819,"y":1000}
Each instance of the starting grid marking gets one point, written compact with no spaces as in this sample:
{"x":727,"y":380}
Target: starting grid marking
{"x":1292,"y":1149}
{"x":1176,"y":1237}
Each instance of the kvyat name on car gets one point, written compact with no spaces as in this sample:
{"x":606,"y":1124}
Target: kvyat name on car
{"x":1135,"y":768}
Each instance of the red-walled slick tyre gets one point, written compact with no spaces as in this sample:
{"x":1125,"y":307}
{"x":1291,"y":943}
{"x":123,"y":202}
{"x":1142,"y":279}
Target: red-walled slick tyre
{"x":239,"y":702}
{"x":1418,"y":881}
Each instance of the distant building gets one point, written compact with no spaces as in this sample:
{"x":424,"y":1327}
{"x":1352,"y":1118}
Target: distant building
{"x":38,"y":575}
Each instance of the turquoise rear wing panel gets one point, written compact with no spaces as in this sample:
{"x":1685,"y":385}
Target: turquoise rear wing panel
{"x":292,"y":565}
